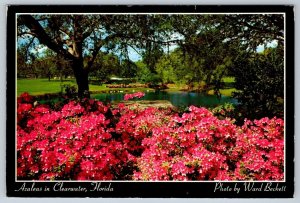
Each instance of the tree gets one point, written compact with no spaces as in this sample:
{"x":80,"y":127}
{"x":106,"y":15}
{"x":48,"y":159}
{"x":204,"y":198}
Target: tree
{"x":104,"y":66}
{"x":208,"y":43}
{"x":260,"y":79}
{"x":176,"y":68}
{"x":77,"y":38}
{"x":128,"y":69}
{"x":165,"y":69}
{"x":50,"y":64}
{"x":251,"y":30}
{"x":259,"y":76}
{"x":65,"y":35}
{"x":205,"y":52}
{"x":22,"y":63}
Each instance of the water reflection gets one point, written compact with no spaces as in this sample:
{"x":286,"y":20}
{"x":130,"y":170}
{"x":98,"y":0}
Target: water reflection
{"x":178,"y":99}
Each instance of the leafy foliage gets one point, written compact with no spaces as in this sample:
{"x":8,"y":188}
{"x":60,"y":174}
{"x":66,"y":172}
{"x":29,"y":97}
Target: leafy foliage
{"x":205,"y":48}
{"x":104,"y":66}
{"x":261,"y":81}
{"x":208,"y":43}
{"x":86,"y":140}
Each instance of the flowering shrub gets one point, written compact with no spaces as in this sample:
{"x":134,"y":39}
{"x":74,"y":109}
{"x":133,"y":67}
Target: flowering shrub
{"x":225,"y":110}
{"x":134,"y":95}
{"x":259,"y":150}
{"x":74,"y":143}
{"x":198,"y":146}
{"x":135,"y":124}
{"x":193,"y":146}
{"x":87,"y":140}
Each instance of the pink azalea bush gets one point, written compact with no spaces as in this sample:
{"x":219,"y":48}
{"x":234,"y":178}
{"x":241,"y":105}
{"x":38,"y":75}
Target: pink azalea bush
{"x":199,"y":146}
{"x":74,"y":143}
{"x":87,"y":140}
{"x":134,"y":95}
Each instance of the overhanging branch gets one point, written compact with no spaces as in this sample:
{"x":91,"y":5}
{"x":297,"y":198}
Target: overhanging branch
{"x":43,"y":37}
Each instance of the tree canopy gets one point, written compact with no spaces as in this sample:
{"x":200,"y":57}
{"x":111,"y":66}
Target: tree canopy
{"x":188,"y":48}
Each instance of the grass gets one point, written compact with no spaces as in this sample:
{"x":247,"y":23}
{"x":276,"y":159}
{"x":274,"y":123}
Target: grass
{"x":39,"y":86}
{"x":228,"y":79}
{"x":42,"y":86}
{"x":225,"y":92}
{"x":175,"y":87}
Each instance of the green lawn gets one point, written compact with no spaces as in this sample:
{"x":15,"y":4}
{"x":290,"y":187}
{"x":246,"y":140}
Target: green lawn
{"x":42,"y":86}
{"x":39,"y":86}
{"x":225,"y":92}
{"x":228,"y":79}
{"x":228,"y":90}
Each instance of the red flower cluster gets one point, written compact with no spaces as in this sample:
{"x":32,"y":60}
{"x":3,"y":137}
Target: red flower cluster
{"x":74,"y":143}
{"x":87,"y":140}
{"x":199,"y":146}
{"x":259,"y":150}
{"x":136,"y":124}
{"x":134,"y":95}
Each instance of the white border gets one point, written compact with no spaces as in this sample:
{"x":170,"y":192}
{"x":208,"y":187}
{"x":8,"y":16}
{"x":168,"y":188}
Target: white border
{"x":175,"y":13}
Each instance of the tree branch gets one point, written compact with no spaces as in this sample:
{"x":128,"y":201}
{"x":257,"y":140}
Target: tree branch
{"x":97,"y":46}
{"x":43,"y":37}
{"x":272,"y":33}
{"x":95,"y":53}
{"x":26,"y":33}
{"x":134,"y":49}
{"x":65,"y":32}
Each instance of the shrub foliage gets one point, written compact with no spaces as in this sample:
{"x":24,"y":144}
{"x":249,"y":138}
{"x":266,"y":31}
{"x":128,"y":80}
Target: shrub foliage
{"x":87,"y":140}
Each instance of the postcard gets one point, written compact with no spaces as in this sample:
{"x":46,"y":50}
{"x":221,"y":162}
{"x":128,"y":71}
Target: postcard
{"x":150,"y":101}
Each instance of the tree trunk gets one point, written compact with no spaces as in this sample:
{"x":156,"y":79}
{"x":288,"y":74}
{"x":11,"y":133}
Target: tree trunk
{"x":81,"y":76}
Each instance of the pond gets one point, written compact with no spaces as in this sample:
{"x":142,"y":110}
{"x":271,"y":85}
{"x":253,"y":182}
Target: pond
{"x":178,"y":99}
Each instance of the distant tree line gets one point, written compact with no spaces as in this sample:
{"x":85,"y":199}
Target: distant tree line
{"x":208,"y":48}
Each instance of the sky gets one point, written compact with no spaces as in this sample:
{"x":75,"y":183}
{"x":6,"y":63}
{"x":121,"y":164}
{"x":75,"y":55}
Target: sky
{"x":136,"y":57}
{"x":261,"y":48}
{"x":133,"y":55}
